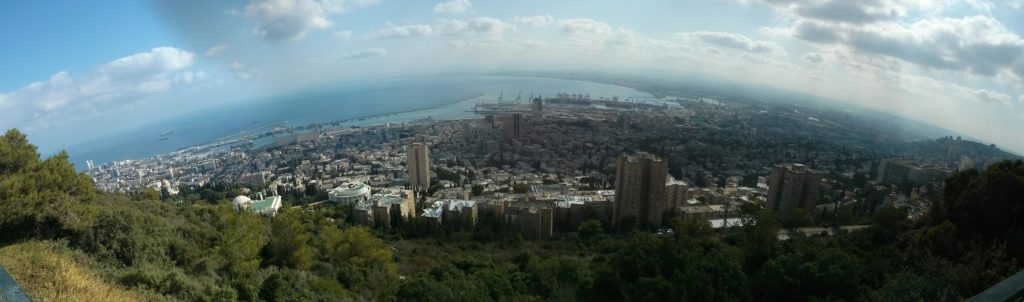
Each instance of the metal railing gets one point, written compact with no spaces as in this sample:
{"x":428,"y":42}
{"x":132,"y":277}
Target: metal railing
{"x":1009,"y":290}
{"x":9,"y":289}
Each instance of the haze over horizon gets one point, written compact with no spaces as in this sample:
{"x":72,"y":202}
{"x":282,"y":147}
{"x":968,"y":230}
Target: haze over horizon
{"x":67,"y":77}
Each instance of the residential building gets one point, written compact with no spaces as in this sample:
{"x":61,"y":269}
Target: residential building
{"x":793,"y":186}
{"x":513,"y":126}
{"x":677,"y":193}
{"x":418,"y":163}
{"x":640,"y":192}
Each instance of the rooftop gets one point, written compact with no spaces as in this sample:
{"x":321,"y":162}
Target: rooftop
{"x":350,"y":189}
{"x":458,"y":204}
{"x":265,"y":204}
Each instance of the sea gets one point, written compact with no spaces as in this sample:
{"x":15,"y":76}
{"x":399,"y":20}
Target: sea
{"x":357,"y":103}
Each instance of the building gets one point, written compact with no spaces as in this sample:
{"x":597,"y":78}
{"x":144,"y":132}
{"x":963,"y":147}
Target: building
{"x":433,"y":214}
{"x":452,"y":193}
{"x":457,"y":211}
{"x":793,"y":186}
{"x":266,"y":206}
{"x":391,"y":206}
{"x":571,"y":210}
{"x":284,"y":139}
{"x":640,"y":192}
{"x":538,"y":107}
{"x":896,"y":171}
{"x":513,"y":126}
{"x":677,"y":194}
{"x":254,"y":179}
{"x":532,"y":222}
{"x":453,"y":212}
{"x":418,"y":163}
{"x":362,"y":213}
{"x":349,"y":193}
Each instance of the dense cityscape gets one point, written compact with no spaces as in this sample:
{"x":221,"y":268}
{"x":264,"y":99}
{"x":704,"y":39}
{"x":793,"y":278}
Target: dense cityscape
{"x":621,"y":162}
{"x":511,"y":151}
{"x":565,"y":197}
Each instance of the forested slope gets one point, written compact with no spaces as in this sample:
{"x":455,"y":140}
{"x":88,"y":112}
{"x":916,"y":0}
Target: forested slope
{"x":56,"y":230}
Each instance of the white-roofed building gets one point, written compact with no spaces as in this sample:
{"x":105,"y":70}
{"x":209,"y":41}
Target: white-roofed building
{"x":350,"y":193}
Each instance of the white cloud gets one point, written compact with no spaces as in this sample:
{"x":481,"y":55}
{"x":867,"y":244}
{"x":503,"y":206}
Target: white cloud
{"x":979,"y":45}
{"x":983,"y":95}
{"x":452,"y":27}
{"x":365,"y":53}
{"x":157,"y":60}
{"x":402,"y":31}
{"x":217,"y":49}
{"x":481,"y":25}
{"x":856,"y":12}
{"x":736,"y":41}
{"x":539,"y":21}
{"x":1019,"y":99}
{"x":981,"y":5}
{"x":343,"y":34}
{"x":489,"y":25}
{"x":814,"y":57}
{"x":585,"y":26}
{"x":598,"y":36}
{"x":453,"y":7}
{"x":782,"y":65}
{"x":122,"y":81}
{"x":293,"y":19}
{"x":1015,"y":4}
{"x":477,"y":43}
{"x":237,"y":66}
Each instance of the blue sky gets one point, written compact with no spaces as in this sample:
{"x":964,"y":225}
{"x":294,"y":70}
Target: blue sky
{"x":75,"y":71}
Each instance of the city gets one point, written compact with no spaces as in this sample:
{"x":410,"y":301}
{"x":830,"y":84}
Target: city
{"x":511,"y":151}
{"x":500,"y":165}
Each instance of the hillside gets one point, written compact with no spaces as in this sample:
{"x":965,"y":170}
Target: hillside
{"x":950,"y":151}
{"x":48,"y":271}
{"x":64,"y":241}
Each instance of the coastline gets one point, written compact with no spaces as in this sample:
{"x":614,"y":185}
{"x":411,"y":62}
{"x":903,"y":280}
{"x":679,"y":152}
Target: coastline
{"x":443,"y":98}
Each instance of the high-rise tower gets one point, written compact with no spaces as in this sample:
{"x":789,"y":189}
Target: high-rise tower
{"x":640,"y":193}
{"x":418,"y":163}
{"x":793,"y":186}
{"x":513,"y":126}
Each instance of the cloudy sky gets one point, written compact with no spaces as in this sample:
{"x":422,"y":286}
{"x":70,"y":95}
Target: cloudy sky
{"x":73,"y":71}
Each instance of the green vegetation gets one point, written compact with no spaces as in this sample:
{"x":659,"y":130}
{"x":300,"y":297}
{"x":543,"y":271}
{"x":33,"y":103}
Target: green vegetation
{"x":64,"y":241}
{"x":52,"y":272}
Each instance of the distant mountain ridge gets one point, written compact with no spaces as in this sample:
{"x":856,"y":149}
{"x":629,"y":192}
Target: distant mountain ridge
{"x":954,"y":150}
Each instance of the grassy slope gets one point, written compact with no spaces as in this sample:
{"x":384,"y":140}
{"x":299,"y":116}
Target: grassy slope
{"x":49,"y":272}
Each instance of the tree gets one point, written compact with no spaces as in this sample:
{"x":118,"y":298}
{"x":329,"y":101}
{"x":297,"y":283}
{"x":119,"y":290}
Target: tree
{"x":243,"y":236}
{"x":521,"y":188}
{"x":149,"y":194}
{"x":796,"y":218}
{"x":985,"y":205}
{"x":591,"y":230}
{"x":357,"y":254}
{"x":44,"y":199}
{"x":758,"y":240}
{"x":16,"y":154}
{"x":289,"y":243}
{"x":859,"y":180}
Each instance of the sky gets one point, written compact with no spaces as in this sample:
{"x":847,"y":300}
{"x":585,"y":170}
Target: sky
{"x":77,"y":71}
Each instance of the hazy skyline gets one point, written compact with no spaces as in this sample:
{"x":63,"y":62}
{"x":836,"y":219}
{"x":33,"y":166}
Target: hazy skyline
{"x":71,"y":72}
